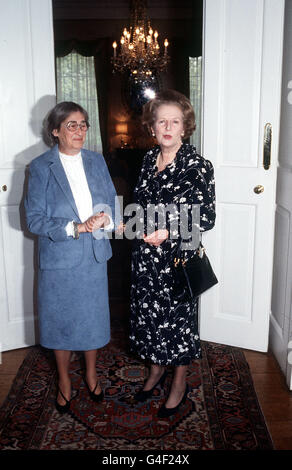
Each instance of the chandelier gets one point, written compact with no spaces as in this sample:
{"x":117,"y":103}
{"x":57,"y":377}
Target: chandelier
{"x":139,"y":51}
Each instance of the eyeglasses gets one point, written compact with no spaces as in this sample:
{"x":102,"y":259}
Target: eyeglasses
{"x":72,"y":126}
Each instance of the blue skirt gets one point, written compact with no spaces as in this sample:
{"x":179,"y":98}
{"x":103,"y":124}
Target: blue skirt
{"x":73,"y":307}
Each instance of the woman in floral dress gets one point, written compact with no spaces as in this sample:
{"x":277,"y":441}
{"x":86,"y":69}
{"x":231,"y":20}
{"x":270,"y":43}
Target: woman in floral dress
{"x":164,"y":327}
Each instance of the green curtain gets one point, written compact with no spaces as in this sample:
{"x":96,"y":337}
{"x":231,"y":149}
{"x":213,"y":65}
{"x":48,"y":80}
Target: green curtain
{"x":101,"y":51}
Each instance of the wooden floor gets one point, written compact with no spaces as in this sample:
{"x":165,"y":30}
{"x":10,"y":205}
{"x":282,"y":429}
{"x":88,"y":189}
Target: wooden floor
{"x":274,"y":397}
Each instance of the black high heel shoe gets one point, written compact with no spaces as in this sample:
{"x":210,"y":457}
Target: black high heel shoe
{"x":62,"y":408}
{"x":166,"y":412}
{"x":94,"y":397}
{"x":143,"y":395}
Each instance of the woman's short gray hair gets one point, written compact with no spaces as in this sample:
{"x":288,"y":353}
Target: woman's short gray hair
{"x":56,"y":116}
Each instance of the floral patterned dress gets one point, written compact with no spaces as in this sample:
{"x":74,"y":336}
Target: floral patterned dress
{"x":163,"y":327}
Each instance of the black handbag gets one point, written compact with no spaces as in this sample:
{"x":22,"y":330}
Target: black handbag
{"x":194,"y":275}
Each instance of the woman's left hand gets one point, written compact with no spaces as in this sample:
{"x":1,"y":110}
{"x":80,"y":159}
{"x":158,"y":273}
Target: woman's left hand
{"x":157,"y":237}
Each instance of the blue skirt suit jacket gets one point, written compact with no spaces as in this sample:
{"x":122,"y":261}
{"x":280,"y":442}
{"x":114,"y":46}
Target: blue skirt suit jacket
{"x":73,"y":305}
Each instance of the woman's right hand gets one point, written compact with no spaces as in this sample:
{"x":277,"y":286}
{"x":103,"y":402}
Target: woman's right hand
{"x":94,"y":222}
{"x":157,"y":237}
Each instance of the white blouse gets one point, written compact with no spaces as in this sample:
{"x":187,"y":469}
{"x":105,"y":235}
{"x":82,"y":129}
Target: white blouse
{"x":75,"y":173}
{"x":73,"y":167}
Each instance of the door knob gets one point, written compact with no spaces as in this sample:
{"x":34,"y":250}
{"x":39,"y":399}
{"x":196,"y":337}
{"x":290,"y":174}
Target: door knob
{"x":259,"y":189}
{"x":4,"y":187}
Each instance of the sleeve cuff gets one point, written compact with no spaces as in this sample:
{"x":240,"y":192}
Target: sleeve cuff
{"x":70,"y":229}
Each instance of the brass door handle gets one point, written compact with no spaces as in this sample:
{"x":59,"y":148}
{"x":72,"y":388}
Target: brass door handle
{"x":267,"y":146}
{"x":4,"y":187}
{"x":259,"y":189}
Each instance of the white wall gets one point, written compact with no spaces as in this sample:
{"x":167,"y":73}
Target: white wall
{"x":281,"y":317}
{"x":27,"y":82}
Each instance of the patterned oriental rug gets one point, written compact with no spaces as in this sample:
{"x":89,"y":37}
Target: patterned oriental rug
{"x":221,"y":413}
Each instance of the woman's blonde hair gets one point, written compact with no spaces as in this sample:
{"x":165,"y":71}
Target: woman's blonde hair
{"x":169,"y":97}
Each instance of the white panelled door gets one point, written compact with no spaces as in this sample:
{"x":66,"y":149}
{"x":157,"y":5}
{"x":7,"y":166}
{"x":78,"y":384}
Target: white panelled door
{"x":27,"y":92}
{"x":243,"y":41}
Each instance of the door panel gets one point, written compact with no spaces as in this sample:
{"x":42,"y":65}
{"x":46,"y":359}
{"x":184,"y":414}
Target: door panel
{"x":237,"y":306}
{"x":243,"y":43}
{"x":281,"y":316}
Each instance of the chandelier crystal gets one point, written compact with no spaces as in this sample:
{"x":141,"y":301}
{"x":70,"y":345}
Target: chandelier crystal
{"x":139,"y":52}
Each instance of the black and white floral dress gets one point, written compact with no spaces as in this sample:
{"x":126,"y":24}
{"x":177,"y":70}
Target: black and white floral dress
{"x":163,"y":328}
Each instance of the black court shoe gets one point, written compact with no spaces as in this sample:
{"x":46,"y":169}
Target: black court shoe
{"x":166,"y":412}
{"x":62,"y":408}
{"x":143,"y":395}
{"x":94,"y":397}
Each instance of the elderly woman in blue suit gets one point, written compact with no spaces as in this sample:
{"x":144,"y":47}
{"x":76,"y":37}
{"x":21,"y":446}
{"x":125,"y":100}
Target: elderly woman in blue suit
{"x":70,"y":204}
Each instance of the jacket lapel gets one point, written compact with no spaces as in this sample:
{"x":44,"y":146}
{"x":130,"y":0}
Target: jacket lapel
{"x":60,"y":175}
{"x":93,"y":184}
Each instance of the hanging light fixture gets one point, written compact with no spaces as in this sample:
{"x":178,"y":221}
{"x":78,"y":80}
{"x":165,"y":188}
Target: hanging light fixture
{"x":139,"y":52}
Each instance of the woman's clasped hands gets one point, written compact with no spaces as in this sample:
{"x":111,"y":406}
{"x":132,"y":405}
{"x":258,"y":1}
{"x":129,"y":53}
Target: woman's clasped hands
{"x":94,"y":222}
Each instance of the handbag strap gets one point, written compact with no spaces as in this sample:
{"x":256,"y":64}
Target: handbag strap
{"x":179,"y":249}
